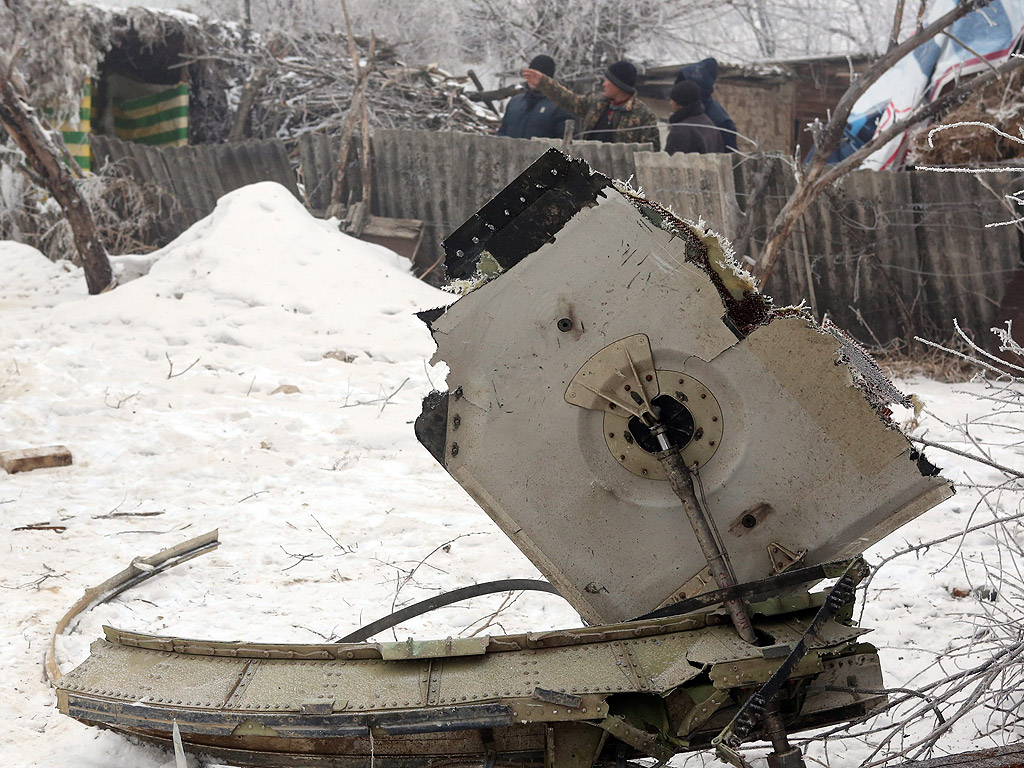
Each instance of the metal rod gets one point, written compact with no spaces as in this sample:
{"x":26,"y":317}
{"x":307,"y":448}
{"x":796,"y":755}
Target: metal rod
{"x":681,"y":480}
{"x":718,"y":560}
{"x":784,"y":754}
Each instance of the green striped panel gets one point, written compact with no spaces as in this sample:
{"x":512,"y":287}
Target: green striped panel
{"x":159,"y":119}
{"x":76,"y":137}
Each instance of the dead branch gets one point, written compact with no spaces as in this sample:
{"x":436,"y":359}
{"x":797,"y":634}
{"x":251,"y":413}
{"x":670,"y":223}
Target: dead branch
{"x":121,"y":399}
{"x":395,"y":392}
{"x":480,"y":87}
{"x":170,"y":372}
{"x":495,"y":95}
{"x":402,"y":580}
{"x":47,"y":161}
{"x":968,"y":455}
{"x":36,"y":583}
{"x":897,"y":20}
{"x":299,"y":558}
{"x":250,"y":93}
{"x":345,"y":550}
{"x":252,"y":495}
{"x":491,"y":619}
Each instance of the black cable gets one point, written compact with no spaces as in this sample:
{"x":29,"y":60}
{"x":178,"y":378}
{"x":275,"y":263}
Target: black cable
{"x":439,"y":601}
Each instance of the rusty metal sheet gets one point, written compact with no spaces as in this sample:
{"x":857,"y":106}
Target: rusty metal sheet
{"x":580,"y":268}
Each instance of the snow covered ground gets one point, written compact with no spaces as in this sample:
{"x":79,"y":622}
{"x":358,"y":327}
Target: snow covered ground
{"x":260,"y":375}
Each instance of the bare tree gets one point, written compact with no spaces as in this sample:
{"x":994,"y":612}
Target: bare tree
{"x":818,"y":175}
{"x":755,"y":14}
{"x":49,"y":162}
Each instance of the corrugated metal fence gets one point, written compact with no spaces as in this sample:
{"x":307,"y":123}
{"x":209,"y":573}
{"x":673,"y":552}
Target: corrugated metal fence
{"x":892,"y":255}
{"x":444,"y":178}
{"x":188,"y":181}
{"x":885,"y":255}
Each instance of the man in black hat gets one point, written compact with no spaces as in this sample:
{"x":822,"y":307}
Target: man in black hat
{"x":689,"y":129}
{"x":704,"y":73}
{"x":616,"y":115}
{"x":531,"y":113}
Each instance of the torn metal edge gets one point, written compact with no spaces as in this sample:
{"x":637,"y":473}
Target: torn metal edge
{"x":562,"y":185}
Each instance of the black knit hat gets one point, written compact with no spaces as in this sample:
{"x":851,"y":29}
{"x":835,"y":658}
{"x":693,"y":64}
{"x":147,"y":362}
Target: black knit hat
{"x":685,"y":93}
{"x":543,"y":63}
{"x":622,"y":75}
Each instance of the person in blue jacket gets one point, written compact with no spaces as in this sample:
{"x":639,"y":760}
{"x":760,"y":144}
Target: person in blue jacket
{"x":530,"y":113}
{"x":704,"y":73}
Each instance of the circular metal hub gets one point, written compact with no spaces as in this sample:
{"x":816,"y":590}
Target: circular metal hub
{"x":689,"y":411}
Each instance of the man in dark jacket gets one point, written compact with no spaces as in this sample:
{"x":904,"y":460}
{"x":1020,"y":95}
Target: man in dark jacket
{"x":704,"y":73}
{"x":531,"y":113}
{"x":616,"y":115}
{"x":689,"y":129}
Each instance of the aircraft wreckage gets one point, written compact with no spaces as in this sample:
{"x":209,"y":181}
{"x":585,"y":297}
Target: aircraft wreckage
{"x":679,"y":458}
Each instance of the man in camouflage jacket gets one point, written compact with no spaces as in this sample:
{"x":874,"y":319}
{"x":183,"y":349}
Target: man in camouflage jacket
{"x":617,"y":115}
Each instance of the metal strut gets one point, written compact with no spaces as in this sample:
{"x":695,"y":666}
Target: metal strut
{"x":759,"y":706}
{"x":681,"y":480}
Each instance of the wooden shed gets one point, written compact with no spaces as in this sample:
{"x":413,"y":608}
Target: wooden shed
{"x":771,"y":102}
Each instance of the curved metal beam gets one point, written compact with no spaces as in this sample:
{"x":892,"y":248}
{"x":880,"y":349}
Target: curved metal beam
{"x":139,"y":570}
{"x":447,"y":598}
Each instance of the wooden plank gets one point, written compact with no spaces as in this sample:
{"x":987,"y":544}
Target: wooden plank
{"x":379,"y":226}
{"x":27,"y":459}
{"x":403,"y":236}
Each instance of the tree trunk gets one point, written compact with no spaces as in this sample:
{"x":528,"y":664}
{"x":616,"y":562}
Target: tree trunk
{"x":18,"y":119}
{"x":778,"y":234}
{"x":245,"y":104}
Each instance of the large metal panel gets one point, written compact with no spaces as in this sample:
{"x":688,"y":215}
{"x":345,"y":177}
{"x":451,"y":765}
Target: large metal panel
{"x":795,"y":455}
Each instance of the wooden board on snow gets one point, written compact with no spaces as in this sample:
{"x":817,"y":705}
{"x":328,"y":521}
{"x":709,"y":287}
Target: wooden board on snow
{"x":27,"y":459}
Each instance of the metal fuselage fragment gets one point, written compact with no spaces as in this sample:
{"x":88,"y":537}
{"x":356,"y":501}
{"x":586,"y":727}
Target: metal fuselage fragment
{"x":616,"y":289}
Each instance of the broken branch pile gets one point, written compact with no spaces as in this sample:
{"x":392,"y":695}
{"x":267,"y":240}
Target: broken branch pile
{"x":300,"y":85}
{"x":963,"y":137}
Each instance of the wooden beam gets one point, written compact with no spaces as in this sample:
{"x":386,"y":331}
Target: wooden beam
{"x":27,"y":459}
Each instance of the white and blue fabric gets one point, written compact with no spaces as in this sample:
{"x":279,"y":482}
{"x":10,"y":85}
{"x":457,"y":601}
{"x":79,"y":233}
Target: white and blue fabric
{"x":977,"y":41}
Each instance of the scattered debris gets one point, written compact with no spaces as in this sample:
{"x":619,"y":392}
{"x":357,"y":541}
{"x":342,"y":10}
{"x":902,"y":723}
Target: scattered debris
{"x":42,"y":527}
{"x":628,"y":351}
{"x":340,"y":355}
{"x":961,"y":138}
